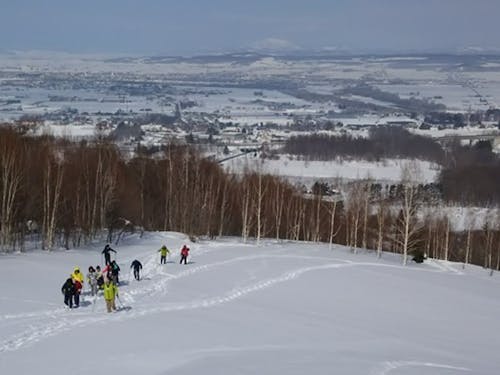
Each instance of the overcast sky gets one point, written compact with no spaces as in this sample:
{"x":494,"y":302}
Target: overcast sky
{"x":189,"y":27}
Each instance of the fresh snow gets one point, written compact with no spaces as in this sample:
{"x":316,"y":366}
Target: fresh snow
{"x":269,"y":308}
{"x":387,"y":170}
{"x":464,"y":218}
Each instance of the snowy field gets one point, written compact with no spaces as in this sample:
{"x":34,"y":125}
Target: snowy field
{"x":464,"y":218}
{"x":273,"y":308}
{"x":388,"y":170}
{"x":210,"y":84}
{"x":455,"y":97}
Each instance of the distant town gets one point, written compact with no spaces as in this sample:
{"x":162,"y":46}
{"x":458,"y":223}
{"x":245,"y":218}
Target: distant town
{"x":242,"y":101}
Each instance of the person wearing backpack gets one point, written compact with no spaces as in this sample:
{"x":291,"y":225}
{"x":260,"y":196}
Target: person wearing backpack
{"x":184,"y":254}
{"x":99,"y":277}
{"x":107,"y":254}
{"x":163,"y":254}
{"x":137,"y":266}
{"x":68,"y":289}
{"x":115,"y":271}
{"x":77,"y":277}
{"x":92,"y":279}
{"x":110,"y":292}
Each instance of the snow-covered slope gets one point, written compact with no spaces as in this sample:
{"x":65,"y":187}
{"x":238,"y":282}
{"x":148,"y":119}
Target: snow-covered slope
{"x":273,"y":308}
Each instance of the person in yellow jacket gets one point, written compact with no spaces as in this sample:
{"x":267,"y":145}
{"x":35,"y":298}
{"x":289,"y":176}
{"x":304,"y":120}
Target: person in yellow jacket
{"x":110,"y":292}
{"x":163,"y":252}
{"x":77,"y":277}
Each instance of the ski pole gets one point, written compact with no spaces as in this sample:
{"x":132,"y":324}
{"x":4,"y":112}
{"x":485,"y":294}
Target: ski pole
{"x":120,"y":301}
{"x":94,"y":303}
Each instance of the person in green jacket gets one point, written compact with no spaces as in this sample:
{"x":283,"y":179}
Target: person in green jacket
{"x":163,"y":252}
{"x":110,"y":292}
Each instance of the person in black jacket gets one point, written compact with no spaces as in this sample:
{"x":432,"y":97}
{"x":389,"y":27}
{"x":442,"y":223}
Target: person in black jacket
{"x":107,"y":255}
{"x":68,"y":289}
{"x":137,"y":266}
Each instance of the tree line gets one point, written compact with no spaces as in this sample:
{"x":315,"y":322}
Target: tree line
{"x":59,"y":193}
{"x":470,"y":174}
{"x":382,"y":142}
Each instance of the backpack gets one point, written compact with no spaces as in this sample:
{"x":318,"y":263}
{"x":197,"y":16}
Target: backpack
{"x":78,"y":286}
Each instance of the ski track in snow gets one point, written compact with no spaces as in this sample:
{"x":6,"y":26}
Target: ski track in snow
{"x":444,"y":266}
{"x":387,"y":367}
{"x":61,"y":320}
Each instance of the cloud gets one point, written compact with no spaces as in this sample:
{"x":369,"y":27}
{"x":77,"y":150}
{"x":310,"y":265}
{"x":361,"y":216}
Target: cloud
{"x":275,"y":44}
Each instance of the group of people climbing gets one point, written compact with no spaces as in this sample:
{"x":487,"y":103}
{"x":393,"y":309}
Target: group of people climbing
{"x":106,"y":279}
{"x":164,"y":252}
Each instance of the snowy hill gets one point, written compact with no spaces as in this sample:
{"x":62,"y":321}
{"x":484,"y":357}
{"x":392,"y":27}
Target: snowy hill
{"x":273,"y":308}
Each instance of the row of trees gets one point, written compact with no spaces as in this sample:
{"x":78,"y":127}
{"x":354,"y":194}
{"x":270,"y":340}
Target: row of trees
{"x":382,"y":142}
{"x":67,"y":194}
{"x":470,"y":173}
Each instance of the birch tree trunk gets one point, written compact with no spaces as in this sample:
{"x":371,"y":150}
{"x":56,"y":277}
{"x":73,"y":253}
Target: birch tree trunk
{"x":332,"y":224}
{"x":11,"y":177}
{"x":52,"y":199}
{"x":408,"y":222}
{"x":278,"y":207}
{"x":446,"y":238}
{"x":381,"y":217}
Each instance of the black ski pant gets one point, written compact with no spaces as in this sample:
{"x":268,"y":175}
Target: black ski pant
{"x":68,"y":300}
{"x":107,"y":258}
{"x":136,"y":274}
{"x":76,"y":297}
{"x":163,"y":259}
{"x":183,"y":258}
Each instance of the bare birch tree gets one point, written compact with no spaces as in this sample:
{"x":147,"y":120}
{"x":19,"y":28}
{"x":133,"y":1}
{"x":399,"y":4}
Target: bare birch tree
{"x":332,"y":210}
{"x":353,"y":212}
{"x":408,"y":223}
{"x":53,"y":179}
{"x":246,"y":208}
{"x":366,"y":197}
{"x":382,"y":212}
{"x":258,"y":198}
{"x":447,"y":229}
{"x":11,"y":177}
{"x":278,"y":203}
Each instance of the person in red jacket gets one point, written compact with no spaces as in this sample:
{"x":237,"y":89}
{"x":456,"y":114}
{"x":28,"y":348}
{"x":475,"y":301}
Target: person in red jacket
{"x":184,"y":254}
{"x":77,"y":277}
